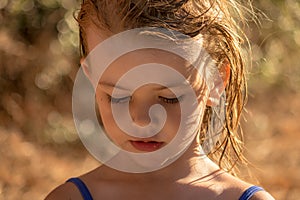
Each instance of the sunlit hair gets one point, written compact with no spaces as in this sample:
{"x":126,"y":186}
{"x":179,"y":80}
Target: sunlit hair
{"x":218,"y":21}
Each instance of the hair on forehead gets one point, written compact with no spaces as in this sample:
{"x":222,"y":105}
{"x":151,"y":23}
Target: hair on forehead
{"x":123,"y":14}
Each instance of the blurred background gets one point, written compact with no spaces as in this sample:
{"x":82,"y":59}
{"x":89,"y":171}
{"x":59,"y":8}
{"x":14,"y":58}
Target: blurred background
{"x":39,"y":147}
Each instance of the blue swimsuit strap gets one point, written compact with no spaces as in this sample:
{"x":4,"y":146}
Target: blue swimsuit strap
{"x":250,"y":192}
{"x":85,"y":193}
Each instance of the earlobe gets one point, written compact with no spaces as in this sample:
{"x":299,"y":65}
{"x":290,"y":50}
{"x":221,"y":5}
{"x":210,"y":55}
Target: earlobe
{"x":219,"y":86}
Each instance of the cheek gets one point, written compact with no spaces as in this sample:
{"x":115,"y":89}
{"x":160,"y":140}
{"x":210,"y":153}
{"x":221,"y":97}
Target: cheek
{"x":104,"y":110}
{"x":190,"y":119}
{"x":173,"y":120}
{"x":173,"y":113}
{"x":171,"y":125}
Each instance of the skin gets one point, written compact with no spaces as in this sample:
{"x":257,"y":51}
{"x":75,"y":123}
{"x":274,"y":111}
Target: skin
{"x":143,"y":98}
{"x":189,"y":177}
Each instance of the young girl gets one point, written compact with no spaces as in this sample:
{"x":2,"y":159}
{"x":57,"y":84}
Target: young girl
{"x":160,"y":121}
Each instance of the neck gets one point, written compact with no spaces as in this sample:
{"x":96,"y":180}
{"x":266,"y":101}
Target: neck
{"x":191,"y":165}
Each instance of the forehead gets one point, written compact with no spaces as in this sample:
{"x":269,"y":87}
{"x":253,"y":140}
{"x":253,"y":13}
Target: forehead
{"x":155,"y":66}
{"x":136,"y":58}
{"x":141,"y":57}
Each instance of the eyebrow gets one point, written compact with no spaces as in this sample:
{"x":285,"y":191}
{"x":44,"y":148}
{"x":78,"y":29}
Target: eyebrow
{"x":161,"y":87}
{"x":107,"y":84}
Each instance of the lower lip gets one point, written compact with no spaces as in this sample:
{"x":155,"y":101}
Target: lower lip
{"x":146,"y":146}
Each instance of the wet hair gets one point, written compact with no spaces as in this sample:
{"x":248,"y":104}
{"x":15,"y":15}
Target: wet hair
{"x":218,"y":21}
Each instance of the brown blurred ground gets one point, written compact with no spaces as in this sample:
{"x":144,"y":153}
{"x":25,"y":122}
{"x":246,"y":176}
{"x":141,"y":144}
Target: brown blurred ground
{"x":38,"y":60}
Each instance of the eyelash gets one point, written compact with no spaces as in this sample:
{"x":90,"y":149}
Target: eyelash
{"x":118,"y":100}
{"x":125,"y":99}
{"x":169,"y":100}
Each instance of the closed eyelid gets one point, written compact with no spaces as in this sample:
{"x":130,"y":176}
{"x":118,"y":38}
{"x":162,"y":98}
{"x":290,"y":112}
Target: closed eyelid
{"x":175,"y":92}
{"x":114,"y":91}
{"x":119,"y":99}
{"x":181,"y":89}
{"x":171,"y":100}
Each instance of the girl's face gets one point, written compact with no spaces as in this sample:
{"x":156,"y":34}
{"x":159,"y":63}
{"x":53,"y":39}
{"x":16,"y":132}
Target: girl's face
{"x":139,"y":101}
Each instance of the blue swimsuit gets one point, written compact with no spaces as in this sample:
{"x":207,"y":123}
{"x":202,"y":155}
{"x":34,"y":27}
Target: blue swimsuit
{"x":85,"y":193}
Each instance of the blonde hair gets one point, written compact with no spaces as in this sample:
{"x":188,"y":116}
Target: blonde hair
{"x":214,"y":19}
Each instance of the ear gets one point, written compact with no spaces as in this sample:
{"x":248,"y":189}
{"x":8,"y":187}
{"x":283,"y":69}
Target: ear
{"x":85,"y":68}
{"x":219,"y":86}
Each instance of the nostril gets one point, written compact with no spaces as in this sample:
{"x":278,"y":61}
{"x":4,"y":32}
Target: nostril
{"x":155,"y":114}
{"x":140,"y":113}
{"x":141,"y":119}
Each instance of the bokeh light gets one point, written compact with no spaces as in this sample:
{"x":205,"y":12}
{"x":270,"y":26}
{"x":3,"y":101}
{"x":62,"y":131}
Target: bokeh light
{"x":38,"y":61}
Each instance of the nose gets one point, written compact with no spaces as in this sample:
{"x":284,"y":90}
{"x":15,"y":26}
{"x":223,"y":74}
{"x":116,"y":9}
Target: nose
{"x":139,"y":110}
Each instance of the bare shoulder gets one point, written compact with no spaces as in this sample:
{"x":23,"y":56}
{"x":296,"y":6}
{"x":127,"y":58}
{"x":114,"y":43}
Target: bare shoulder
{"x":64,"y":191}
{"x":69,"y":190}
{"x":235,"y":186}
{"x":262,"y":195}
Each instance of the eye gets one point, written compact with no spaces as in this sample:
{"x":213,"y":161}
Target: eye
{"x":118,"y":100}
{"x":170,"y":100}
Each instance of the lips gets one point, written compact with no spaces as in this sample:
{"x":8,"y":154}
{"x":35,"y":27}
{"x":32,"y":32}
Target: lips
{"x":147,"y":146}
